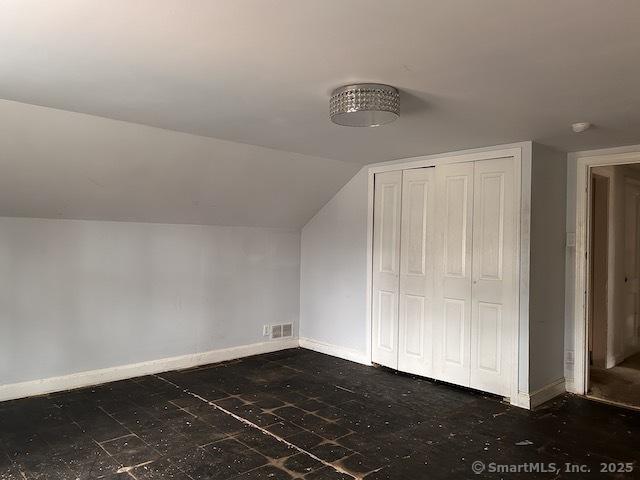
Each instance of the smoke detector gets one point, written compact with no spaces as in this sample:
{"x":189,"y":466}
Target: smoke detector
{"x":580,"y":127}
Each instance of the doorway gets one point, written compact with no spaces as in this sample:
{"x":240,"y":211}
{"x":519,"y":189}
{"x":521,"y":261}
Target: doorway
{"x":613,"y":307}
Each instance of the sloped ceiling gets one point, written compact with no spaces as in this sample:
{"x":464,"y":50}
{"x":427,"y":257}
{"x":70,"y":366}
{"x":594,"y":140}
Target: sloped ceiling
{"x":258,"y":72}
{"x":58,"y":164}
{"x":472,"y":73}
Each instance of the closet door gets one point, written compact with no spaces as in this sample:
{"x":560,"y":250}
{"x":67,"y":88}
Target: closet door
{"x":494,"y":285}
{"x":416,"y":271}
{"x":452,"y":319}
{"x":386,"y":267}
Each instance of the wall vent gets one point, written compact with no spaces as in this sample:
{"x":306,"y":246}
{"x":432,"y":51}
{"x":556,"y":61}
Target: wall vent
{"x":282,"y":331}
{"x":287,"y":330}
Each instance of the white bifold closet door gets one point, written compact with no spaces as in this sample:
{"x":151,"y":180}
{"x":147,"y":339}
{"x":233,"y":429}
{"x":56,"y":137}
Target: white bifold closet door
{"x":416,"y":271}
{"x":452,"y":320}
{"x":444,"y":272}
{"x":475,"y":317}
{"x":386,"y":268}
{"x":494,"y":292}
{"x":403,"y":270}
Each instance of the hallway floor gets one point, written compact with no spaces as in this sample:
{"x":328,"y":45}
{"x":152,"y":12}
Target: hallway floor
{"x":301,"y":414}
{"x":620,"y":384}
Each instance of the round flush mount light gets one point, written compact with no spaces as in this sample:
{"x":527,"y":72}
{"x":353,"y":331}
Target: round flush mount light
{"x":364,"y":105}
{"x":580,"y":127}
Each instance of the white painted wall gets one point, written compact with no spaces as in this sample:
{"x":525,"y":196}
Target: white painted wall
{"x":570,"y":275}
{"x":84,"y":295}
{"x":334,"y":270}
{"x":547,"y":277}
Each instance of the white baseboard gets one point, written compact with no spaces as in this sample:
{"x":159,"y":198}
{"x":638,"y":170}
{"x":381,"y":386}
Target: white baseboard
{"x":96,"y":377}
{"x":540,"y":396}
{"x":335,"y":351}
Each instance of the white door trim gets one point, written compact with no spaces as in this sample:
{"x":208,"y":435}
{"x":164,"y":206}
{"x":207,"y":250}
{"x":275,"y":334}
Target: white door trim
{"x":584,"y":162}
{"x":523,"y":192}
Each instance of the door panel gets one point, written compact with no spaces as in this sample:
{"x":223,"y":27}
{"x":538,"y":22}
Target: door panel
{"x":416,"y":271}
{"x":387,"y":307}
{"x":386,"y":267}
{"x":452,"y":305}
{"x":488,"y":342}
{"x":493,"y":292}
{"x":454,"y":326}
{"x":491,"y":235}
{"x":456,"y":203}
{"x":412,"y":328}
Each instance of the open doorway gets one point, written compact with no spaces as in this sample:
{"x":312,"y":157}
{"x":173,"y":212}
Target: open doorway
{"x":614,"y":285}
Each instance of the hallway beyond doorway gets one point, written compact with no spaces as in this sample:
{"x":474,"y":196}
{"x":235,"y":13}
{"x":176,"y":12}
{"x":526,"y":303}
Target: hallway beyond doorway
{"x":620,"y":384}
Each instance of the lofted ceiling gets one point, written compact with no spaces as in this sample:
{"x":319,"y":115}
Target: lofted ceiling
{"x":472,"y":73}
{"x":57,"y":164}
{"x":238,"y":91}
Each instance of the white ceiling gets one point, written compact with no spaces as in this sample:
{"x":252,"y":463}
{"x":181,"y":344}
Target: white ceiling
{"x":471,"y":73}
{"x":239,"y":75}
{"x":57,"y":164}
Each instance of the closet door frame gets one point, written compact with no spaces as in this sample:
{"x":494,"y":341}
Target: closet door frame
{"x":521,"y":154}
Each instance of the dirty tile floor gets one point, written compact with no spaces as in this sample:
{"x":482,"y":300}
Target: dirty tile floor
{"x":300,"y":414}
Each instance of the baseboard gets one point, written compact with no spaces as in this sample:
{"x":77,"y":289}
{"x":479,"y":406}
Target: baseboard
{"x":96,"y":377}
{"x":335,"y":351}
{"x":540,"y":396}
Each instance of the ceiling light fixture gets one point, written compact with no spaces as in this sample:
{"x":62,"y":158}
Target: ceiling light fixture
{"x":364,"y":105}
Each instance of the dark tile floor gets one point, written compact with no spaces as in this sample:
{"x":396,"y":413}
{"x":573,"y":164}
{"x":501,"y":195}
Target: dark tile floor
{"x":334,"y":419}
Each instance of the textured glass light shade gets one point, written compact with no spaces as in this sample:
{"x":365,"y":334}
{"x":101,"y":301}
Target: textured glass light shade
{"x":364,"y":105}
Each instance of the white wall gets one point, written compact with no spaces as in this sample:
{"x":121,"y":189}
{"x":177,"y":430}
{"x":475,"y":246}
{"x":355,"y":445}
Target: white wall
{"x":570,"y":274}
{"x":547,"y":267}
{"x":84,"y":295}
{"x":334,"y":270}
